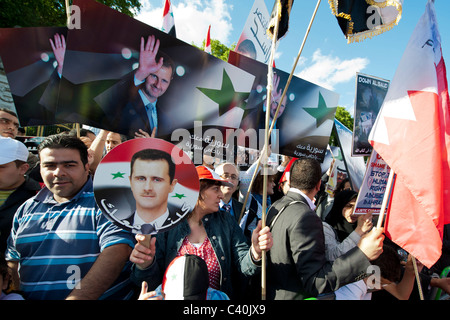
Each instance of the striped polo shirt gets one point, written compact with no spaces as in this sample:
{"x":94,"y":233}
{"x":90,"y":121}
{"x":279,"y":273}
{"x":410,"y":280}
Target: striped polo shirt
{"x":57,"y":243}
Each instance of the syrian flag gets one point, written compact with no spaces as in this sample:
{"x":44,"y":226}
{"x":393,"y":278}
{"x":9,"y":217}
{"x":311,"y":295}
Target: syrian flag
{"x":411,"y":134}
{"x":208,"y":41}
{"x":168,"y":25}
{"x":365,"y":19}
{"x":112,"y":189}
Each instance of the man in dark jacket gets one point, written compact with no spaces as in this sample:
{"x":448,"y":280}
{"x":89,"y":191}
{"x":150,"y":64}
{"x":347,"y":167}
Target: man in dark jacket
{"x":297,"y":264}
{"x":15,"y":187}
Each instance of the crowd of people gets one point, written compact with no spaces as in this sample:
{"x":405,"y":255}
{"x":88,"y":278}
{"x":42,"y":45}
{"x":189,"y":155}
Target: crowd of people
{"x":57,"y":244}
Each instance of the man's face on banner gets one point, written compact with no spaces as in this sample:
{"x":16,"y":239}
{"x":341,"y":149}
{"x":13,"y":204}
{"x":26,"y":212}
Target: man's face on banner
{"x":274,"y":106}
{"x":157,"y":83}
{"x":150,"y":185}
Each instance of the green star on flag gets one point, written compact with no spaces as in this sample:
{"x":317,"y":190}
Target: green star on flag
{"x":179,"y":196}
{"x":226,"y":97}
{"x":321,"y":113}
{"x":118,"y":175}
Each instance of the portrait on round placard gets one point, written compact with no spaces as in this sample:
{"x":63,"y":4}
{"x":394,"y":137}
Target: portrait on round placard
{"x":146,"y":186}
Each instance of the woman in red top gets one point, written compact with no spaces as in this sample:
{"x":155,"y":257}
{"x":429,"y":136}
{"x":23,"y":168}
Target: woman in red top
{"x":206,"y":232}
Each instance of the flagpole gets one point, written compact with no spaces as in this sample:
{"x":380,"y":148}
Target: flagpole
{"x":386,"y":198}
{"x":265,"y":150}
{"x":269,"y":132}
{"x":416,"y":272}
{"x":295,"y":63}
{"x":77,"y":127}
{"x":282,"y":97}
{"x":67,"y":11}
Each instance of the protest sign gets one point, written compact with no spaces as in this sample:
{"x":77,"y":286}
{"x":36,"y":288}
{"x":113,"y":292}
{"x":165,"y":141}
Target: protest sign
{"x":143,"y":181}
{"x":370,"y":93}
{"x":373,"y":187}
{"x":254,"y":41}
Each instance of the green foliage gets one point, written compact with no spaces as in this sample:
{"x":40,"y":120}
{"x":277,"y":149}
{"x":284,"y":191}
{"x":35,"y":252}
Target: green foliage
{"x":218,"y":49}
{"x":344,"y":117}
{"x":49,"y":13}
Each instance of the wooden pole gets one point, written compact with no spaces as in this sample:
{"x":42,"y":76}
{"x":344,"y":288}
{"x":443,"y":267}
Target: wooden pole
{"x":278,"y":108}
{"x":386,"y":198}
{"x":296,"y":61}
{"x":416,"y":272}
{"x":68,"y":11}
{"x":265,"y":150}
{"x":268,"y":131}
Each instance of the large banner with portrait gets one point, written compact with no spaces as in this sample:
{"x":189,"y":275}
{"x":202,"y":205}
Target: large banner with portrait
{"x":30,"y":58}
{"x":124,"y":75}
{"x":305,"y":119}
{"x":370,"y":93}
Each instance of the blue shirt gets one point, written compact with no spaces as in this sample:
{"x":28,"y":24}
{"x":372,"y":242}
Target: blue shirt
{"x":56,"y":244}
{"x":149,"y":106}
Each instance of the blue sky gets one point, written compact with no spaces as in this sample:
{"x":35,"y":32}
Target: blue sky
{"x":327,"y":59}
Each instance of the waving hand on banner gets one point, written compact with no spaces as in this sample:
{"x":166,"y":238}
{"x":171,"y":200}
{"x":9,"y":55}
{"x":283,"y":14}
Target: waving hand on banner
{"x":147,"y":58}
{"x":59,"y":49}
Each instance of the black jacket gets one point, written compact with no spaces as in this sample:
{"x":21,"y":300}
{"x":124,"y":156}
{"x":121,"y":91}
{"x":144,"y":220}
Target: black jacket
{"x":25,"y":191}
{"x":296,"y":263}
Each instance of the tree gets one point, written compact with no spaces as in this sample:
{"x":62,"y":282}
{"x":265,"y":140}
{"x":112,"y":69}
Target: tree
{"x":344,"y":117}
{"x":218,"y":49}
{"x":51,"y":13}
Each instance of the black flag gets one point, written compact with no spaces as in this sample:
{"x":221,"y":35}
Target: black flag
{"x":283,"y":7}
{"x":363,"y":19}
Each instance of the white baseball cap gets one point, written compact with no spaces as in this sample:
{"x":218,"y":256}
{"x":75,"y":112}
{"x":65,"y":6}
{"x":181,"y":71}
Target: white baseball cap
{"x":12,"y":149}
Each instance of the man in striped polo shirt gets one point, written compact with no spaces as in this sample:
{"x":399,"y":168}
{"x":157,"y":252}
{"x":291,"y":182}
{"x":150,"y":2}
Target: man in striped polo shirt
{"x":61,"y":246}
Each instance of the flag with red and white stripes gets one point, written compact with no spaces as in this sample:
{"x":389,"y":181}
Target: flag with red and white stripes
{"x":168,"y":25}
{"x":208,"y":41}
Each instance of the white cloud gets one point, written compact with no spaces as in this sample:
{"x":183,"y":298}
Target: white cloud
{"x":192,"y":18}
{"x":329,"y":71}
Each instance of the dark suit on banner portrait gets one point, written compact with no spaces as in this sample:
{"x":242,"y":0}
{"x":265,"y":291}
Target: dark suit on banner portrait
{"x":175,"y":214}
{"x":76,"y":103}
{"x":125,"y":109}
{"x":119,"y":206}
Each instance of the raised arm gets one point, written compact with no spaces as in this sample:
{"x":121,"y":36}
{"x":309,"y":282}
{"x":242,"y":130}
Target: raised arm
{"x":147,"y":58}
